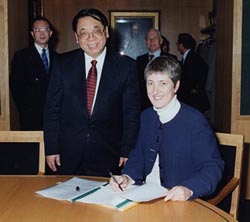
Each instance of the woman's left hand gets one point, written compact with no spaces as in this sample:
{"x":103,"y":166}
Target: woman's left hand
{"x":178,"y":193}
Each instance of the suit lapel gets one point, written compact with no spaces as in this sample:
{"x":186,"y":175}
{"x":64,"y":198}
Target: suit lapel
{"x":80,"y":74}
{"x":105,"y":83}
{"x":36,"y":60}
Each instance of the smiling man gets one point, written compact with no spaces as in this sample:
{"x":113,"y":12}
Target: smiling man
{"x":92,"y":109}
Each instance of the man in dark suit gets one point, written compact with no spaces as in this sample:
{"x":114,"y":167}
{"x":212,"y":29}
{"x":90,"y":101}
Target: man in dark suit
{"x":30,"y":76}
{"x":194,"y":74}
{"x":82,"y":138}
{"x":153,"y":42}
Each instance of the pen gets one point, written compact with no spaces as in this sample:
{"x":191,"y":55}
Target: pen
{"x":113,"y":177}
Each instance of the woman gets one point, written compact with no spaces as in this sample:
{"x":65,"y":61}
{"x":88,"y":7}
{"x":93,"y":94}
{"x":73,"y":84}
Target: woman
{"x":176,"y":146}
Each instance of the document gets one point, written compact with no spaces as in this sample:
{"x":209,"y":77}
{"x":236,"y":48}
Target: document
{"x":94,"y":192}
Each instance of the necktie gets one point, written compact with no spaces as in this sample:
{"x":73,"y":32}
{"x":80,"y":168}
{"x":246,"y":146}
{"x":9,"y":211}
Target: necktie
{"x":91,"y":85}
{"x":45,"y":60}
{"x":151,"y":57}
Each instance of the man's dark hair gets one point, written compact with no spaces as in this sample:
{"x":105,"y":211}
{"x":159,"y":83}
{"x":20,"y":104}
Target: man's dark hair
{"x":40,"y":18}
{"x":187,"y":40}
{"x":91,"y":12}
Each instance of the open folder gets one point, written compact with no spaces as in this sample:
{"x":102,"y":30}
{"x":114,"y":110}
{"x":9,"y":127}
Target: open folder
{"x":93,"y":192}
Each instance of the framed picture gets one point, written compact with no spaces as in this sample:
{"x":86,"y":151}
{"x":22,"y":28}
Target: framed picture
{"x":129,"y":29}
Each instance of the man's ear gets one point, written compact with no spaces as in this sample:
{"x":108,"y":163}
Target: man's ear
{"x":32,"y":34}
{"x":76,"y":37}
{"x":107,"y":32}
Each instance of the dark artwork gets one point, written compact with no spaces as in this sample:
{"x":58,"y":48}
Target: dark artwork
{"x":130,"y":35}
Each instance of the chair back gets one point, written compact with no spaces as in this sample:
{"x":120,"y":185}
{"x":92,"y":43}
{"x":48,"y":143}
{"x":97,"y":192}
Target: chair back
{"x":232,"y":187}
{"x":26,"y":137}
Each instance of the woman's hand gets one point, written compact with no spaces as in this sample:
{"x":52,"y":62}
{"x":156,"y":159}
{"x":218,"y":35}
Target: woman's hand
{"x":178,"y":193}
{"x":123,"y":181}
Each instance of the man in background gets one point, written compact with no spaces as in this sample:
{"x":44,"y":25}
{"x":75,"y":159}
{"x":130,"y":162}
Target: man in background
{"x":30,"y":74}
{"x":153,"y":42}
{"x":92,"y":109}
{"x":194,"y":74}
{"x":165,"y":48}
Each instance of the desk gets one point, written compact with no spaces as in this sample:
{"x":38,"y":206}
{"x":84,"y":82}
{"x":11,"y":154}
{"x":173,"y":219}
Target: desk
{"x":20,"y":203}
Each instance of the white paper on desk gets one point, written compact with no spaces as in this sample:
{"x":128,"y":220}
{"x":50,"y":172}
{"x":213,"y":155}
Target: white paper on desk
{"x":67,"y":190}
{"x":105,"y":195}
{"x":145,"y":192}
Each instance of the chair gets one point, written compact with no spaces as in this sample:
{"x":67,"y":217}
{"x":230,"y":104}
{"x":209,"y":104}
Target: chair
{"x":26,"y":137}
{"x":232,"y":187}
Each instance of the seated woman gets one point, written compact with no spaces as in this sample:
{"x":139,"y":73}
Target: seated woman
{"x":176,"y":146}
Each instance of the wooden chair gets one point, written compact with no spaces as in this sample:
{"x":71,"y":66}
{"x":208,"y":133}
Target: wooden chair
{"x":26,"y":137}
{"x":233,"y":142}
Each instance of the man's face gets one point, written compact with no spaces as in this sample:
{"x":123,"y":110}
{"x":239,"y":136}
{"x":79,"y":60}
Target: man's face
{"x":41,"y":33}
{"x":153,"y":41}
{"x":91,"y":36}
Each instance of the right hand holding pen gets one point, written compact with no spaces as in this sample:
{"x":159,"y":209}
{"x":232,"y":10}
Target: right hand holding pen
{"x":123,"y":180}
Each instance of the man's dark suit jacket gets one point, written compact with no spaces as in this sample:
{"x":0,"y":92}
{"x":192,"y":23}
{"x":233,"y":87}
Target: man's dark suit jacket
{"x":142,"y":62}
{"x":193,"y":82}
{"x":28,"y":85}
{"x":91,"y":146}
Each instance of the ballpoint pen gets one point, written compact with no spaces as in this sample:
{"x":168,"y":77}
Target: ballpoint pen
{"x":113,"y":177}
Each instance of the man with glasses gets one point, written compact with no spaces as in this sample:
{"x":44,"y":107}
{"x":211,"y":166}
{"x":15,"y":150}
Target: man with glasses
{"x":92,"y":109}
{"x":30,"y":74}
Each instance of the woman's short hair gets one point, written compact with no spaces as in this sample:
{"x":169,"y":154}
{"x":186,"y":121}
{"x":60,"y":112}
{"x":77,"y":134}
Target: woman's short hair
{"x":165,"y":65}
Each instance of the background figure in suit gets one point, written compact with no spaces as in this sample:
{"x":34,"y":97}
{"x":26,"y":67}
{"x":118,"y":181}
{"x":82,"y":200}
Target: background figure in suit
{"x":82,"y":143}
{"x":194,"y":74}
{"x":30,"y":76}
{"x":165,"y":48}
{"x":153,"y":42}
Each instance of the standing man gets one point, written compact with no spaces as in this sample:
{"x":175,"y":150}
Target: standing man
{"x":194,"y":74}
{"x":153,"y":42}
{"x":30,"y":74}
{"x":92,"y":108}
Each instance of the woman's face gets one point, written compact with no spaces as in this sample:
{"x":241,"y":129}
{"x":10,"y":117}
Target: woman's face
{"x":160,"y":89}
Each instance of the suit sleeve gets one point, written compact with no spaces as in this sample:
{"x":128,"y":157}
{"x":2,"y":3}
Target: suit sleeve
{"x":131,"y":110}
{"x":18,"y":80}
{"x":52,"y":111}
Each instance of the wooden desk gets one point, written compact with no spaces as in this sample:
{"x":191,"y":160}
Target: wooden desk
{"x":18,"y":202}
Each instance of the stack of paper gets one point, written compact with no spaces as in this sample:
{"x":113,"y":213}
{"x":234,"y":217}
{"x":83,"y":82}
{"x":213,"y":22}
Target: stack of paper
{"x":93,"y":192}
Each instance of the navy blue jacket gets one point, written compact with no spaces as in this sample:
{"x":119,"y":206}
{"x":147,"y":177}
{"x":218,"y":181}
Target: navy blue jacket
{"x":188,"y":153}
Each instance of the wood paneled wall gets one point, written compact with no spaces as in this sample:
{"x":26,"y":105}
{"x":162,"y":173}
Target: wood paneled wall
{"x":224,"y":25}
{"x":176,"y":16}
{"x":18,"y":34}
{"x":4,"y":61}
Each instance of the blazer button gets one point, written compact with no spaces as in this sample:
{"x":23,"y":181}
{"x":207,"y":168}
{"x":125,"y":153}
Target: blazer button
{"x":157,"y":139}
{"x":160,"y":126}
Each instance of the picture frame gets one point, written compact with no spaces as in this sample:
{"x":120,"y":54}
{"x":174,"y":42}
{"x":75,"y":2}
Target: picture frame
{"x":129,"y":29}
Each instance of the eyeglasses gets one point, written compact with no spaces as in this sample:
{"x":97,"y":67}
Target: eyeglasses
{"x":41,"y":30}
{"x":86,"y":34}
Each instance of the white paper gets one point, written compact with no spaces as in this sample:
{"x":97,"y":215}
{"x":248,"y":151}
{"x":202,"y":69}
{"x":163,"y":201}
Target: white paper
{"x":67,"y":190}
{"x":105,"y":195}
{"x":101,"y":193}
{"x":145,"y":192}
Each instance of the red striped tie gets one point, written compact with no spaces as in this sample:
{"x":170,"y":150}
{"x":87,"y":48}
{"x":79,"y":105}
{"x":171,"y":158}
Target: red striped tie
{"x":91,"y":85}
{"x":151,"y":57}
